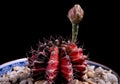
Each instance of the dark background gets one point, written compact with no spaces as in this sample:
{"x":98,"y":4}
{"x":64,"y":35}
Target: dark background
{"x":24,"y":23}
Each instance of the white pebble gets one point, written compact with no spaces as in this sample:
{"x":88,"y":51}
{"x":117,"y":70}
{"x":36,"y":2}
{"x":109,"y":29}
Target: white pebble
{"x":4,"y":79}
{"x":13,"y":78}
{"x":108,"y":82}
{"x":12,"y":73}
{"x":23,"y":82}
{"x":22,"y":76}
{"x":99,"y":70}
{"x":90,"y":74}
{"x":5,"y":82}
{"x":75,"y":81}
{"x":112,"y":78}
{"x":90,"y":68}
{"x":85,"y":77}
{"x":30,"y":81}
{"x":83,"y":83}
{"x":41,"y":82}
{"x":16,"y":68}
{"x":20,"y":71}
{"x":104,"y":77}
{"x":100,"y":81}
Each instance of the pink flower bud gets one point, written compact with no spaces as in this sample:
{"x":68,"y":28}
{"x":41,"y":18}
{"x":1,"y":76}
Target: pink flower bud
{"x":75,"y":14}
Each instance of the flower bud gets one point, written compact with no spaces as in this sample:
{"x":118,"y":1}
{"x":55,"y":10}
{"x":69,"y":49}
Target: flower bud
{"x":75,"y":14}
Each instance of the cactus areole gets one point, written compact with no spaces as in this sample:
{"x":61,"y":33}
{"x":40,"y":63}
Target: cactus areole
{"x":59,"y":61}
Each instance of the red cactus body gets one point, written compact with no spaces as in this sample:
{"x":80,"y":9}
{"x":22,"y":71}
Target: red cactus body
{"x":64,"y":60}
{"x":78,"y":61}
{"x":52,"y":67}
{"x":66,"y":66}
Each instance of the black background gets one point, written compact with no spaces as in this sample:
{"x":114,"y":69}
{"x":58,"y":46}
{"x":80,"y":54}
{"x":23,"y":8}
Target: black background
{"x":24,"y":23}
